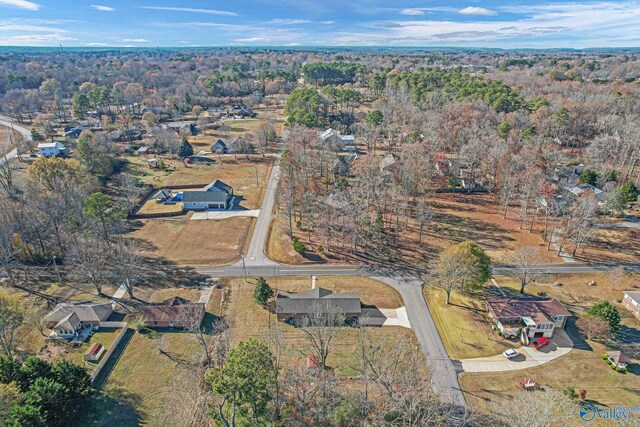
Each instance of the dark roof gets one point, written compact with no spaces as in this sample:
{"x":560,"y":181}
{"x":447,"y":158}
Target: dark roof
{"x":318,"y":300}
{"x":219,"y":142}
{"x":218,"y":185}
{"x":162,"y":194}
{"x":204,"y":196}
{"x":216,"y":192}
{"x":537,"y":308}
{"x":170,"y":309}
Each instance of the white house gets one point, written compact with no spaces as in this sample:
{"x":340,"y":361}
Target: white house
{"x":51,"y":149}
{"x":332,"y":136}
{"x":68,"y":327}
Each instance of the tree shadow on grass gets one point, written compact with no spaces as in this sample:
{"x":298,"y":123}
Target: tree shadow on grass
{"x":117,"y":406}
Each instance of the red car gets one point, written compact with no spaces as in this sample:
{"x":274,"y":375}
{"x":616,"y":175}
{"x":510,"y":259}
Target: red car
{"x":539,"y":343}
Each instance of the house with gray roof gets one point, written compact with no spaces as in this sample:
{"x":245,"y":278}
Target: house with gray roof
{"x":219,"y":147}
{"x":67,"y":327}
{"x":294,"y":307}
{"x":88,"y":314}
{"x":215,"y":196}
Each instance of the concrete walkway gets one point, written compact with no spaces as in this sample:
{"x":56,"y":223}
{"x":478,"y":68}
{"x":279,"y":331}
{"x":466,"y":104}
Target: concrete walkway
{"x":396,"y":317}
{"x":225,"y":214}
{"x":560,"y":345}
{"x":205,"y":295}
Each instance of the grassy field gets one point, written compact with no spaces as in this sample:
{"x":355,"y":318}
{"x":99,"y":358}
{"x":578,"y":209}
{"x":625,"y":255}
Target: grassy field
{"x":249,"y":320}
{"x":279,"y":245}
{"x":233,"y":128}
{"x":247,"y":177}
{"x":611,"y":244}
{"x":464,"y":325}
{"x":105,"y":336}
{"x":581,"y":369}
{"x":141,"y":380}
{"x":152,"y":207}
{"x":187,"y":242}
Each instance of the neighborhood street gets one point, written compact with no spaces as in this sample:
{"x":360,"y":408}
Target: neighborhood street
{"x":7,"y":122}
{"x":441,"y":368}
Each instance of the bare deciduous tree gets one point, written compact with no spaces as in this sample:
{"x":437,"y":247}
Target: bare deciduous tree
{"x":523,"y":261}
{"x":540,"y":409}
{"x":321,"y":329}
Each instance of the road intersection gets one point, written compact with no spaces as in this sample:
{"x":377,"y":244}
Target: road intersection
{"x":408,"y":284}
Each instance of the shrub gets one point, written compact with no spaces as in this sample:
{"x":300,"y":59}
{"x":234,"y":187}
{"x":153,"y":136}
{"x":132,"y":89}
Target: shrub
{"x":570,"y":392}
{"x":298,"y":246}
{"x":582,"y":393}
{"x":320,"y":249}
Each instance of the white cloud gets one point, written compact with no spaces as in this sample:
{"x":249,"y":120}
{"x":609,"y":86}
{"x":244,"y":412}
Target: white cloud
{"x":327,"y":22}
{"x":412,"y":12}
{"x":289,"y":21}
{"x":97,"y":44}
{"x":22,"y":4}
{"x":252,"y":40}
{"x":102,"y":8}
{"x":192,"y":10}
{"x":28,"y":26}
{"x":576,"y":25}
{"x":134,"y":41}
{"x":35,"y":40}
{"x":472,"y":10}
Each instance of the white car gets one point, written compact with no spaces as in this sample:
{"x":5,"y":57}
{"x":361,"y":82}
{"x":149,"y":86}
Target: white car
{"x":511,"y":353}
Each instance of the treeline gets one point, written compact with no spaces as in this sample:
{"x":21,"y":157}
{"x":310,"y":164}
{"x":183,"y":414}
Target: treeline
{"x":332,"y":72}
{"x":461,"y":86}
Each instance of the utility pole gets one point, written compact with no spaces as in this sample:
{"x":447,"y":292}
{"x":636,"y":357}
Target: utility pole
{"x":244,"y":268}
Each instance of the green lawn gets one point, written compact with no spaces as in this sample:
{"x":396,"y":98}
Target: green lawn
{"x":464,"y":325}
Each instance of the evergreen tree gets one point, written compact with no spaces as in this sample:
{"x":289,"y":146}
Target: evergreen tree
{"x":629,"y":191}
{"x":608,"y":312}
{"x":262,"y":292}
{"x":186,"y":149}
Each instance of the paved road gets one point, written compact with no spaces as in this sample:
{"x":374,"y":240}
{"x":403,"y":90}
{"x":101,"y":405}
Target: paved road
{"x":443,"y":373}
{"x":273,"y":269}
{"x":255,"y":254}
{"x":26,"y":133}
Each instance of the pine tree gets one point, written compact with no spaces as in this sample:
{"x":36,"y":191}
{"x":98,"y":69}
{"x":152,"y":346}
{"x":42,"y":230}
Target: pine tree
{"x":186,"y":149}
{"x":263,"y":292}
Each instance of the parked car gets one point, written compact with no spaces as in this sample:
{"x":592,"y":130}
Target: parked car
{"x":511,"y":353}
{"x":539,"y":343}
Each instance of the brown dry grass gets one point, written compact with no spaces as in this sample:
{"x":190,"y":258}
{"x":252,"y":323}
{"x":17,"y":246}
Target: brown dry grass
{"x":458,"y":218}
{"x":612,"y":244}
{"x":239,"y":173}
{"x":152,"y":207}
{"x":8,"y":139}
{"x":580,"y":369}
{"x":279,"y":245}
{"x":195,"y":242}
{"x":248,"y":320}
{"x":234,"y":128}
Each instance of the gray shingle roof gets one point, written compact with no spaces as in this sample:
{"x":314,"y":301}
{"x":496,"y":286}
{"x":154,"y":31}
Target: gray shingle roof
{"x":317,"y":300}
{"x":216,"y":192}
{"x":634,"y":295}
{"x":85,"y":312}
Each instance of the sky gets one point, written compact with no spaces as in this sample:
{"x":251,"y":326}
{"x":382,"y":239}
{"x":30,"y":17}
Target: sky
{"x":471,"y":23}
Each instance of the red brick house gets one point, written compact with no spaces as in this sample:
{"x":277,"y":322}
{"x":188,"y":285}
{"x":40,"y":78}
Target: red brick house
{"x":173,"y":313}
{"x":538,"y":316}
